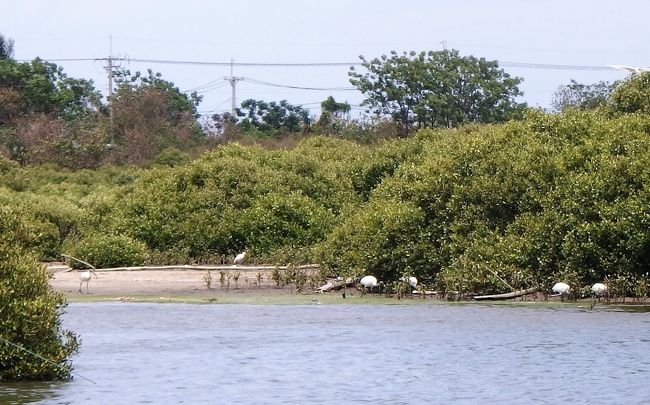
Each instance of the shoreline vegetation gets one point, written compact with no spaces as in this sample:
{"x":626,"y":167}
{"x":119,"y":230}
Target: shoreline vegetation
{"x":185,"y":284}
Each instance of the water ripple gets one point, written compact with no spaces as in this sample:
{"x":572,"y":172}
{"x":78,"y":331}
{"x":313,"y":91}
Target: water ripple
{"x":238,"y":354}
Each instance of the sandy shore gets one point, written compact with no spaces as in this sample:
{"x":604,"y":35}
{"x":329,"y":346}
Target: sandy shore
{"x":169,"y":282}
{"x":188,"y":285}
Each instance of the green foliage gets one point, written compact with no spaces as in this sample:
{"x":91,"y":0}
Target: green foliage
{"x":105,"y":251}
{"x":171,"y":157}
{"x":285,"y":220}
{"x":236,"y":197}
{"x":532,"y":201}
{"x":382,"y":161}
{"x":583,"y":96}
{"x":43,"y":87}
{"x":332,"y":112}
{"x":437,"y":89}
{"x":272,"y":117}
{"x":29,"y":312}
{"x":384,"y":239}
{"x":633,"y":95}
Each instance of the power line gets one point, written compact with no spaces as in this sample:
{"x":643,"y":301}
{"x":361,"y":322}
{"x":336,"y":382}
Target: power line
{"x":299,"y":87}
{"x":252,"y":64}
{"x":216,"y":85}
{"x":525,"y":65}
{"x":552,"y":66}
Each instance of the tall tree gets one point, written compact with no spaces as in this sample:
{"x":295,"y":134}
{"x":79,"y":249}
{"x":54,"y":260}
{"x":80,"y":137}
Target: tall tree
{"x":437,"y":89}
{"x":332,"y":113}
{"x":151,"y":114}
{"x":41,"y":87}
{"x":6,"y":47}
{"x":582,"y":96}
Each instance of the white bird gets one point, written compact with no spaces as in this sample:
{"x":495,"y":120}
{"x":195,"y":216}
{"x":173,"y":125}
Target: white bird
{"x":599,"y":288}
{"x":85,"y":278}
{"x":240,"y":258}
{"x":562,"y":289}
{"x":412,"y":281}
{"x":369,"y":282}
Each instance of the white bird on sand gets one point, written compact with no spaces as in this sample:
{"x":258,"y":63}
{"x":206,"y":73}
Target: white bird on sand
{"x":599,"y":289}
{"x":562,"y":289}
{"x":240,"y":258}
{"x":85,"y":278}
{"x":369,"y":282}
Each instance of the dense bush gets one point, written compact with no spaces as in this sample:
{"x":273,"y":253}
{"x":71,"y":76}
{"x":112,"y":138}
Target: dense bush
{"x":240,"y":197}
{"x":29,"y":311}
{"x":522,"y":204}
{"x":105,"y":251}
{"x":474,"y":209}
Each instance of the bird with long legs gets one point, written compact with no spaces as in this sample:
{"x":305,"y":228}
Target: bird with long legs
{"x":85,"y":276}
{"x":599,"y":289}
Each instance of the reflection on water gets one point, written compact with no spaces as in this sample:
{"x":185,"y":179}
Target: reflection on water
{"x":29,"y":392}
{"x":176,"y":353}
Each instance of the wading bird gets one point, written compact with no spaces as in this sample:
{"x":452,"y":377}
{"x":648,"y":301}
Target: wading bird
{"x":562,"y":289}
{"x":412,"y":281}
{"x":599,"y":289}
{"x":240,"y":258}
{"x":369,"y":282}
{"x":85,"y":278}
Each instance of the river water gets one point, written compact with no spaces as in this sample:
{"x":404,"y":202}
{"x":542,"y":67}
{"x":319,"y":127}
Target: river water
{"x":384,"y":354}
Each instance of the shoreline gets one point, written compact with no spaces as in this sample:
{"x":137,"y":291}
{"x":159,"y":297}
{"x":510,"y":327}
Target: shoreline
{"x":183,"y":285}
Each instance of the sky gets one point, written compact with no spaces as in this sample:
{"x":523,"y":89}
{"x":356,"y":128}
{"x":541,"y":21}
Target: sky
{"x":562,"y":33}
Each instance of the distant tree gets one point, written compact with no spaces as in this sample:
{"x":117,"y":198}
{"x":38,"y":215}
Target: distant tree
{"x":272,"y":116}
{"x":333,"y":107}
{"x":6,"y":47}
{"x":437,"y":89}
{"x":40,"y":87}
{"x":223,"y":124}
{"x":45,"y":116}
{"x":582,"y":96}
{"x":332,"y":111}
{"x":633,"y":95}
{"x":151,"y":114}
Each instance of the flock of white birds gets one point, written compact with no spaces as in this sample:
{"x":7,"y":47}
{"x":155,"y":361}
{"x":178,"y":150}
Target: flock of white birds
{"x":371,"y":282}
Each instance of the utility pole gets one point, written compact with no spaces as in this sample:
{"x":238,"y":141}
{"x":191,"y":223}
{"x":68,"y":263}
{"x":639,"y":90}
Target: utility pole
{"x":444,"y":44}
{"x":233,"y":83}
{"x":109,"y":70}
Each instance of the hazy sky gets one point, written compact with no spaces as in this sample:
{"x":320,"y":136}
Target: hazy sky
{"x":557,"y":32}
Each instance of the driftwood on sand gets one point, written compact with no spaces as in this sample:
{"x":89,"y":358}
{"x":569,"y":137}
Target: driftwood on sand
{"x":335,"y":285}
{"x":506,"y":296}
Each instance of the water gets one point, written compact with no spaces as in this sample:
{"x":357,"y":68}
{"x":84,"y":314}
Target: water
{"x":385,"y":354}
